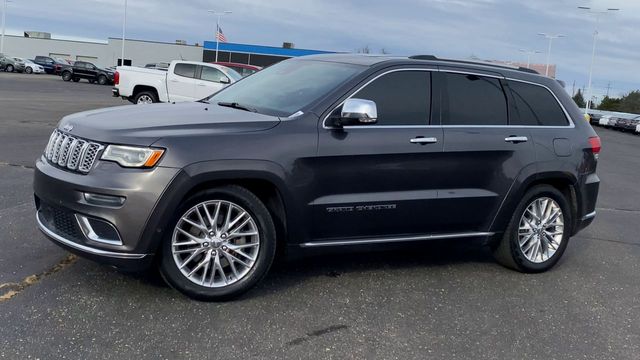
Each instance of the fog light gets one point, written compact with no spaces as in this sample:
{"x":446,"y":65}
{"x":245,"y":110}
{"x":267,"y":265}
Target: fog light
{"x":104,"y":200}
{"x":98,"y":230}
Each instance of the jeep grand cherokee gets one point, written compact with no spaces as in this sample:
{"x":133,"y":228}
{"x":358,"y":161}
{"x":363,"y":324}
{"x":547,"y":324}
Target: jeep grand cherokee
{"x":317,"y":152}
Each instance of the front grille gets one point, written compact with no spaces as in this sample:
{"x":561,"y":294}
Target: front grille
{"x":71,"y":152}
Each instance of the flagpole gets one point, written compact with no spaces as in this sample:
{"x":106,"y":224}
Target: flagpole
{"x":218,"y":15}
{"x":217,"y":32}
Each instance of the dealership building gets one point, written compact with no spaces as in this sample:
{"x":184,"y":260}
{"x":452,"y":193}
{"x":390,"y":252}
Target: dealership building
{"x":141,"y":52}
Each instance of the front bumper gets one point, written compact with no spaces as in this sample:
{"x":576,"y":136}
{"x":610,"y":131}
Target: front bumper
{"x":61,"y":201}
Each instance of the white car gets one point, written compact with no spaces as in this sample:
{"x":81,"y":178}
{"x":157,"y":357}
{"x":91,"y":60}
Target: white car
{"x":30,"y":67}
{"x":604,"y":121}
{"x":638,"y":129}
{"x":183,"y":81}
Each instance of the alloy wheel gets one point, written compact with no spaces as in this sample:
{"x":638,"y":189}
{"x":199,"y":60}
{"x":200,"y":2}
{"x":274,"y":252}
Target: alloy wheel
{"x":541,"y":229}
{"x":215,"y":243}
{"x":145,"y":99}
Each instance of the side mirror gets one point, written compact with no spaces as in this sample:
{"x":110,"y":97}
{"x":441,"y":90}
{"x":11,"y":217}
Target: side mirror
{"x":225,"y":80}
{"x":357,"y":112}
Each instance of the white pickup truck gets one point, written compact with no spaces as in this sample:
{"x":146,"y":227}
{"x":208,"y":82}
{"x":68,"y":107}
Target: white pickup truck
{"x":183,"y":81}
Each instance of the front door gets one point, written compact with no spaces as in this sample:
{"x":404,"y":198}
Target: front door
{"x":376,"y":181}
{"x":211,"y":80}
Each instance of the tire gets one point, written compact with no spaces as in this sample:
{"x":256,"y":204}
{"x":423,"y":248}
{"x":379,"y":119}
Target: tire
{"x":145,"y":97}
{"x":66,"y":76}
{"x":511,"y":254}
{"x":9,"y":68}
{"x":205,"y":284}
{"x":76,"y":79}
{"x":102,"y":80}
{"x":28,"y":70}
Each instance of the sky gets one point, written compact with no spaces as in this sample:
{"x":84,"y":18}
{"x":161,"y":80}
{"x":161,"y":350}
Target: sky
{"x":487,"y":29}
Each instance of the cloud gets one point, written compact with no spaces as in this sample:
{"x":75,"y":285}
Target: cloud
{"x":491,"y":29}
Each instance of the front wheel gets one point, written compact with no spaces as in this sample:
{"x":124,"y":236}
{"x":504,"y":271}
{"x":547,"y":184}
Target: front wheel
{"x":28,"y":70}
{"x":220,"y":244}
{"x":9,"y":68}
{"x":538,"y":232}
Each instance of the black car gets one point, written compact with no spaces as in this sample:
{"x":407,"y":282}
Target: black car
{"x":88,"y":71}
{"x":323,"y":152}
{"x":51,"y":65}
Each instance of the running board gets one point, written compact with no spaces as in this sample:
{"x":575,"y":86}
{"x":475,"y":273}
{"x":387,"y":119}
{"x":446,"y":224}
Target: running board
{"x":393,"y":239}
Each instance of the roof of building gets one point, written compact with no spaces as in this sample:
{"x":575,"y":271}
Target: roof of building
{"x":261,"y":49}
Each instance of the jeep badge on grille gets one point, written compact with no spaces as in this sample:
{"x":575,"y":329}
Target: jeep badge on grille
{"x":67,"y":127}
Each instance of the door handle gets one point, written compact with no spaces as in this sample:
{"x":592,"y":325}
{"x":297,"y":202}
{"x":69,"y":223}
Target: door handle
{"x":173,"y":80}
{"x":423,"y":140}
{"x":516,"y":139}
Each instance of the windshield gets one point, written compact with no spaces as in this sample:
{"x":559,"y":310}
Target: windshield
{"x":285,"y":88}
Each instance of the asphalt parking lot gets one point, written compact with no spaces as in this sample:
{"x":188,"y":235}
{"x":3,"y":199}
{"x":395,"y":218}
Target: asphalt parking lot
{"x":437,"y":300}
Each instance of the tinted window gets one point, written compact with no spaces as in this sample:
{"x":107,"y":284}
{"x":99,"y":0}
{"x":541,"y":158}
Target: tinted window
{"x":473,"y":100}
{"x":402,"y":97}
{"x":535,"y":105}
{"x":211,"y":74}
{"x":186,"y":70}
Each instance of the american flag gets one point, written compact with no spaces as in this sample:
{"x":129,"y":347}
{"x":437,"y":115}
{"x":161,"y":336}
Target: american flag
{"x":220,"y":35}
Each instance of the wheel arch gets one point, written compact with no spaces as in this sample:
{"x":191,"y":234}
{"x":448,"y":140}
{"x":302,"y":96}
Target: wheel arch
{"x":264,"y":181}
{"x":562,"y":181}
{"x":140,"y":88}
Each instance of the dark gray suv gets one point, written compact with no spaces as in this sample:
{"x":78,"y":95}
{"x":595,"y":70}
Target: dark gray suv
{"x":323,"y":152}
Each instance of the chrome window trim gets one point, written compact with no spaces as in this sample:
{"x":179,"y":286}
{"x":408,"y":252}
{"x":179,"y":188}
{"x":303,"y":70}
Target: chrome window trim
{"x":84,"y":248}
{"x":324,"y":121}
{"x":353,"y":127}
{"x":388,"y":240}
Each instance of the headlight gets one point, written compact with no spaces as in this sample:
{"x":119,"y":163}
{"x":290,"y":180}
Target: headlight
{"x":130,"y":156}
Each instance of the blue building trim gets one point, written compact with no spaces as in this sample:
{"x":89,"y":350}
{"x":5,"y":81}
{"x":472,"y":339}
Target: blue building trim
{"x":263,"y":50}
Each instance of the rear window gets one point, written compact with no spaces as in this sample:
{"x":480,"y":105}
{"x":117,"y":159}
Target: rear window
{"x":535,"y":105}
{"x":186,"y":70}
{"x":473,"y":100}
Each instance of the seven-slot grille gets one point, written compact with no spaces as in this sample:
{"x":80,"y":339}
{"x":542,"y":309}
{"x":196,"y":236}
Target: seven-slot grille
{"x":71,"y":152}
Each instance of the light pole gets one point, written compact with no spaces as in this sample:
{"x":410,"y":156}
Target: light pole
{"x":218,"y":15}
{"x":4,"y":10}
{"x":597,"y":14}
{"x":529,"y":54}
{"x":124,"y":30}
{"x":550,"y":37}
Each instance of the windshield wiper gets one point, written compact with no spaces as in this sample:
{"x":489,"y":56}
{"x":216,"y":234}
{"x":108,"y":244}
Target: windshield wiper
{"x":235,"y":105}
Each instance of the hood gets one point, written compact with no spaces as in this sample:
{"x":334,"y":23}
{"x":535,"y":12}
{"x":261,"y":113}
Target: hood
{"x":145,"y":124}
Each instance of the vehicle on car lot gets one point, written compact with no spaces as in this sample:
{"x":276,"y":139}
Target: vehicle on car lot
{"x":605,"y":121}
{"x":86,"y":70}
{"x":11,"y":64}
{"x":626,"y":122}
{"x":50,"y":65}
{"x":323,"y":151}
{"x":183,"y":81}
{"x":242,"y":69}
{"x":30,"y":67}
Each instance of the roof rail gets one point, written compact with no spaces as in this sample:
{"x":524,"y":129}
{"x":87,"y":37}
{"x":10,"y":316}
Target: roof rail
{"x":485,"y":63}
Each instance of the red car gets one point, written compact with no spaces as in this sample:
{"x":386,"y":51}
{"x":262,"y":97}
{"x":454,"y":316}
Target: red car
{"x":242,"y":69}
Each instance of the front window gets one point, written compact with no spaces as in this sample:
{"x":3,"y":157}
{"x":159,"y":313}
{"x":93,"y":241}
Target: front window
{"x":287,"y":87}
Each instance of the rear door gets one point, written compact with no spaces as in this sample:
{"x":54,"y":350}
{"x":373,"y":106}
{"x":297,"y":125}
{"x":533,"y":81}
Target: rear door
{"x":486,"y":154}
{"x":181,"y":82}
{"x":211,"y":80}
{"x":380,"y":181}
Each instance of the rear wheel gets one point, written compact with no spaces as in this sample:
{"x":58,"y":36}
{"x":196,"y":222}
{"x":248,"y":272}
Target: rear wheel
{"x":28,"y":70}
{"x":145,"y":97}
{"x":221,"y":243}
{"x":538,"y":232}
{"x":66,"y":76}
{"x":102,"y":80}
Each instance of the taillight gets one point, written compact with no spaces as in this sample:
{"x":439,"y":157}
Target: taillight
{"x":596,"y":146}
{"x":116,"y":78}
